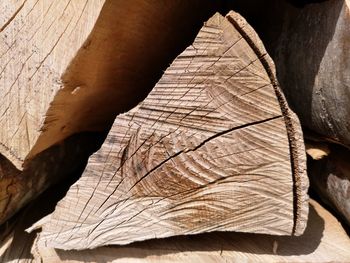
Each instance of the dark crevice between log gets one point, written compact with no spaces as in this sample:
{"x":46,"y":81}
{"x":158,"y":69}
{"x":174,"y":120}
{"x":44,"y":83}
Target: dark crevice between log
{"x":47,"y":178}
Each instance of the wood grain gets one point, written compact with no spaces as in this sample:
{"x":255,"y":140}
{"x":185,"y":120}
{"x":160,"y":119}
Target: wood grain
{"x":213,"y":147}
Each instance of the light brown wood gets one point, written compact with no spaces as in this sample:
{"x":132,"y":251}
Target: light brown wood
{"x":324,"y":241}
{"x":213,"y":147}
{"x":71,"y":66}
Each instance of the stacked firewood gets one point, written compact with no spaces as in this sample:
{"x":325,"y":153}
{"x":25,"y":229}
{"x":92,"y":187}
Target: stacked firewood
{"x":174,"y":131}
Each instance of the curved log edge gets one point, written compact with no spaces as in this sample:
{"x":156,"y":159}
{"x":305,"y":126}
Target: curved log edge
{"x":243,"y":147}
{"x":34,"y":37}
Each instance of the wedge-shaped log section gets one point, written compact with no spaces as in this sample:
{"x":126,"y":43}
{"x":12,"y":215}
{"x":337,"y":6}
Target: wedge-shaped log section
{"x":213,"y":147}
{"x":68,"y":67}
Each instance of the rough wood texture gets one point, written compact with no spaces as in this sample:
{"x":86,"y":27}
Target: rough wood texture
{"x":324,"y":241}
{"x":311,"y":49}
{"x":330,"y":178}
{"x":213,"y":147}
{"x":71,"y":66}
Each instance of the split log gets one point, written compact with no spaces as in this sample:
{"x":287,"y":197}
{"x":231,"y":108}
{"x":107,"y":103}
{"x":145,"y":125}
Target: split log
{"x":213,"y":147}
{"x":311,"y":49}
{"x":324,"y":240}
{"x":71,"y":66}
{"x":330,"y":178}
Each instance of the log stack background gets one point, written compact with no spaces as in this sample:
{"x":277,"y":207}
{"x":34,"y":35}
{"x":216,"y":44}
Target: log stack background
{"x":126,"y":121}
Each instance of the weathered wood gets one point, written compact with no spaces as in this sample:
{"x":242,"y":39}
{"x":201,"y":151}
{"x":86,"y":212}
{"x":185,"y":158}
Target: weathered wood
{"x":71,"y":66}
{"x":213,"y":147}
{"x":330,"y":178}
{"x":324,"y":240}
{"x":311,"y":49}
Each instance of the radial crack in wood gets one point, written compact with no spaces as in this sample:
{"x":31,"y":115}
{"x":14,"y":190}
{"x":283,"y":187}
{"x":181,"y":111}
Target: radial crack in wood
{"x":213,"y":147}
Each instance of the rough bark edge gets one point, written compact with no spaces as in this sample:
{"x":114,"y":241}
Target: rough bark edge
{"x":294,"y":132}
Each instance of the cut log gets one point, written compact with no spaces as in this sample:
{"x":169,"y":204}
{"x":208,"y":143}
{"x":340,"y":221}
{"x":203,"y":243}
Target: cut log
{"x":311,"y":49}
{"x":330,"y":178}
{"x":213,"y":147}
{"x":324,"y":240}
{"x":71,"y":66}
